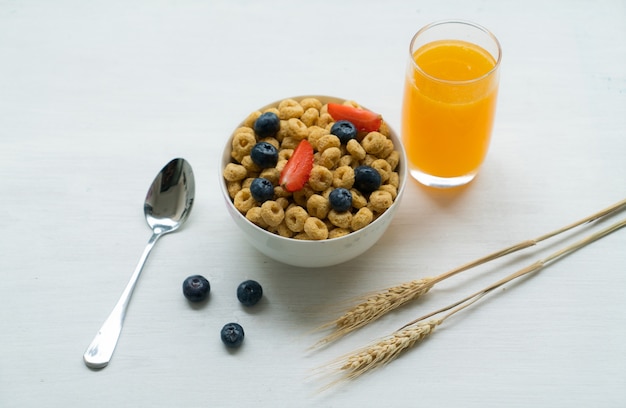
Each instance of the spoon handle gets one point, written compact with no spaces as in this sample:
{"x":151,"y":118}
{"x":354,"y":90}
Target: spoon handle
{"x":101,"y":349}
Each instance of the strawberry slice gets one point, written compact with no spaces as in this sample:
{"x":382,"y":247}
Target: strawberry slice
{"x":296,"y":172}
{"x":362,"y":119}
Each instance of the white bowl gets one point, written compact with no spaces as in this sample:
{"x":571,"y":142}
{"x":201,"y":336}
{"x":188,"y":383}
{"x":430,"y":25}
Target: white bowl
{"x":314,"y":254}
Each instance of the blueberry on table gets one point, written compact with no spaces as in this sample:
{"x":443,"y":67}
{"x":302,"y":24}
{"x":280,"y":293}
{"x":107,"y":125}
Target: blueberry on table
{"x":340,"y":199}
{"x":232,"y":335}
{"x":262,"y":189}
{"x":367,"y":179}
{"x":267,"y":125}
{"x":249,"y":292}
{"x":264,"y":155}
{"x":344,"y":130}
{"x":196,"y":288}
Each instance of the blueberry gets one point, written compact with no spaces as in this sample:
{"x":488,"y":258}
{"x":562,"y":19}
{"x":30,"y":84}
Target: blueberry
{"x":344,"y":130}
{"x":264,"y":155}
{"x":340,"y":199}
{"x":267,"y":125}
{"x":249,"y":292}
{"x":196,"y":288}
{"x":232,"y":335}
{"x":262,"y":189}
{"x":366,"y":179}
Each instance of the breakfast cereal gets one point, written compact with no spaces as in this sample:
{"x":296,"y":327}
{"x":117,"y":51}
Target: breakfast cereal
{"x":307,"y":213}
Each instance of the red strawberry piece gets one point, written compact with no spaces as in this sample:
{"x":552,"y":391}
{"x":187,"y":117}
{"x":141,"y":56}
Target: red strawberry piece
{"x":362,"y":119}
{"x":296,"y":172}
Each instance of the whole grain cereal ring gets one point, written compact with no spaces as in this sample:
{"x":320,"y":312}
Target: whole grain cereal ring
{"x":393,"y":159}
{"x":272,"y":110}
{"x":327,"y":141}
{"x":361,"y":219}
{"x":315,"y":228}
{"x":289,"y":108}
{"x":272,"y":213}
{"x":343,"y":177}
{"x":340,"y":219}
{"x":297,"y":129}
{"x":387,"y":149}
{"x":338,"y":232}
{"x":283,"y":231}
{"x":358,"y":199}
{"x":315,"y":133}
{"x":295,"y":217}
{"x":325,"y":120}
{"x":330,"y":157}
{"x":251,"y":167}
{"x":321,"y":178}
{"x":391,"y":189}
{"x":244,"y":201}
{"x":348,"y":160}
{"x":233,"y":187}
{"x":271,"y":140}
{"x":272,"y":174}
{"x":289,"y":142}
{"x":311,"y":103}
{"x":247,"y":182}
{"x":380,"y":200}
{"x":235,"y":172}
{"x":383,"y":167}
{"x":310,"y":116}
{"x":282,"y":131}
{"x":355,"y":149}
{"x":254,"y":216}
{"x":373,"y":142}
{"x":279,"y":191}
{"x":302,"y":195}
{"x":283,"y":202}
{"x":242,"y":144}
{"x":394,"y":179}
{"x":318,"y":206}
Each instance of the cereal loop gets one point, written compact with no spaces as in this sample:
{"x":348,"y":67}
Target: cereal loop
{"x":380,"y":200}
{"x":318,"y":206}
{"x":254,"y":216}
{"x":272,"y":213}
{"x":244,"y":201}
{"x":355,"y":149}
{"x":315,"y":228}
{"x":321,"y":178}
{"x":340,"y":219}
{"x":343,"y":177}
{"x":383,"y":168}
{"x":361,"y":219}
{"x":338,"y":232}
{"x":311,"y":103}
{"x":295,"y":217}
{"x":330,"y":157}
{"x":373,"y":143}
{"x":327,"y":141}
{"x":235,"y":172}
{"x":249,"y":121}
{"x":296,"y":129}
{"x":289,"y":108}
{"x":358,"y":199}
{"x":310,"y":116}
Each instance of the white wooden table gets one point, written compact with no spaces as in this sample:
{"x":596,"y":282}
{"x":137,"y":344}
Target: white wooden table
{"x":96,"y":96}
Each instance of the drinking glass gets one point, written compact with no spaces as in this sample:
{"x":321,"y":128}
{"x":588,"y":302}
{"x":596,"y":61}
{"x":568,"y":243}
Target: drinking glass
{"x":449,"y":105}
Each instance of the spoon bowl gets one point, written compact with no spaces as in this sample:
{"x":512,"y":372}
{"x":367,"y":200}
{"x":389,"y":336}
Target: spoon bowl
{"x":167,"y":206}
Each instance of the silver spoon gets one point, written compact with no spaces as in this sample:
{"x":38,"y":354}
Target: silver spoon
{"x":167,"y":206}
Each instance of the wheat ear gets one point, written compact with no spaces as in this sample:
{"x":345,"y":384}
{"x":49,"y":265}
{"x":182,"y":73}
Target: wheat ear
{"x":389,"y":348}
{"x":389,"y":299}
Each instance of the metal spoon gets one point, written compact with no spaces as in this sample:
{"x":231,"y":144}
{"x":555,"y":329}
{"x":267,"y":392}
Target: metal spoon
{"x":167,"y":206}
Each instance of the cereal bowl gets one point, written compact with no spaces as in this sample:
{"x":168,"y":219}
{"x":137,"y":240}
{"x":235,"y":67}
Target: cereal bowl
{"x":311,"y":253}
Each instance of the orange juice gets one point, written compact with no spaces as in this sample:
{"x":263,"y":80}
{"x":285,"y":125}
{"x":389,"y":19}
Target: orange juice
{"x":449,"y":108}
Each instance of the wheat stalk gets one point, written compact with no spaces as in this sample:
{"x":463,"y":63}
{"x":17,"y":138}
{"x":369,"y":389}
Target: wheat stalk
{"x":388,"y":348}
{"x":386,"y":300}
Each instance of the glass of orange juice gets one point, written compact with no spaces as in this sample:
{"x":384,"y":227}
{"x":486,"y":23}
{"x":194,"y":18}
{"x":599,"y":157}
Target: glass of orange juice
{"x":449,"y":103}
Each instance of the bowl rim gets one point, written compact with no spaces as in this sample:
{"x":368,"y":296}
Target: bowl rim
{"x":403,"y":169}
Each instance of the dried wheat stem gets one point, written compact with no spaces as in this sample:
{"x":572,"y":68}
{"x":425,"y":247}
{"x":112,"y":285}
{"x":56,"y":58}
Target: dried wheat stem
{"x":388,"y":348}
{"x":374,"y":307}
{"x":392,"y":298}
{"x":534,"y":267}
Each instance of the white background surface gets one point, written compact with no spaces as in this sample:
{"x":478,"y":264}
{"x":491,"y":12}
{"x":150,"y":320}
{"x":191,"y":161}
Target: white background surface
{"x":95,"y":97}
